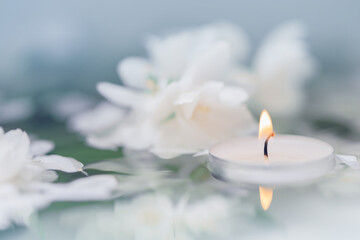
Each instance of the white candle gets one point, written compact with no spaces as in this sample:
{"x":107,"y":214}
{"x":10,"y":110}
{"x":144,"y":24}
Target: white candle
{"x":291,"y":159}
{"x":287,"y":159}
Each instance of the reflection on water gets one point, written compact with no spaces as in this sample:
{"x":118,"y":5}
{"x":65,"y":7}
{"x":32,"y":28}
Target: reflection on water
{"x":266,"y":195}
{"x":153,"y":205}
{"x":164,"y":215}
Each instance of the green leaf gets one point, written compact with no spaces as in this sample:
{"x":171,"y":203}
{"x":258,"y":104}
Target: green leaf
{"x":170,"y":117}
{"x":200,"y":174}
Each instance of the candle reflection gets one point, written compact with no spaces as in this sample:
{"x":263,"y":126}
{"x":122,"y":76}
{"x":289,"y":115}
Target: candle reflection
{"x":266,"y":195}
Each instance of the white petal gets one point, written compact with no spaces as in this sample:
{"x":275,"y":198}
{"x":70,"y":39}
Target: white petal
{"x":284,"y":50}
{"x":169,"y":55}
{"x":14,"y":153}
{"x":120,"y":95}
{"x":134,"y":72}
{"x":236,"y":37}
{"x":102,"y":118}
{"x":101,"y":142}
{"x":164,"y":106}
{"x":92,"y":188}
{"x":233,"y":96}
{"x":172,"y":54}
{"x":135,"y":134}
{"x":41,"y":147}
{"x":212,"y":65}
{"x":56,"y":162}
{"x":47,"y":176}
{"x":282,"y":65}
{"x":349,"y":160}
{"x":188,"y":102}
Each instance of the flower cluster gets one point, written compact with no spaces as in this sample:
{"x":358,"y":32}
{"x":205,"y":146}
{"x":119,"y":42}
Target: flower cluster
{"x":26,"y":176}
{"x":191,"y":92}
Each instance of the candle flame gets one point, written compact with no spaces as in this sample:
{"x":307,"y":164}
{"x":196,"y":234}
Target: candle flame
{"x":265,"y":125}
{"x":265,"y":130}
{"x":266,"y":195}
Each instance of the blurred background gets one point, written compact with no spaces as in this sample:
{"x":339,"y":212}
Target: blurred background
{"x":70,"y":45}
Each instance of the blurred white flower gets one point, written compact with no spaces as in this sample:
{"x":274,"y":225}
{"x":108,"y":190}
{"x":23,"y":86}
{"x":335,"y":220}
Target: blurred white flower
{"x":21,"y":162}
{"x":280,"y":68}
{"x":170,"y":56}
{"x":157,"y":217}
{"x":25,"y":179}
{"x":199,"y":117}
{"x":171,"y":118}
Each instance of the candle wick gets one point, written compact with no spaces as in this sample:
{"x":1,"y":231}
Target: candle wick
{"x":266,"y":144}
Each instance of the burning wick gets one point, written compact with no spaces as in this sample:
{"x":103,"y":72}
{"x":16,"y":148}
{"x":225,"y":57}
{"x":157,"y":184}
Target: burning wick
{"x":266,"y":155}
{"x":266,"y":194}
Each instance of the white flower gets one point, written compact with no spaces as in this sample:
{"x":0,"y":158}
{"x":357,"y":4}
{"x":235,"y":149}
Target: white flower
{"x":171,"y":118}
{"x":199,"y":117}
{"x":280,"y":68}
{"x":25,"y":179}
{"x":172,"y":55}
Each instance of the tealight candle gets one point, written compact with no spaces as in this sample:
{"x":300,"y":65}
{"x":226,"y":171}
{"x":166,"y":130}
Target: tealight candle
{"x":269,"y":159}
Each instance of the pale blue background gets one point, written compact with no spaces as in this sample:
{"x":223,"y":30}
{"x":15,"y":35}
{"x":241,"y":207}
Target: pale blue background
{"x":65,"y":45}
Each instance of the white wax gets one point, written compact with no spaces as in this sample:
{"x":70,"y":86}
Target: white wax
{"x":282,"y":149}
{"x":290,"y":159}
